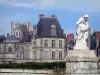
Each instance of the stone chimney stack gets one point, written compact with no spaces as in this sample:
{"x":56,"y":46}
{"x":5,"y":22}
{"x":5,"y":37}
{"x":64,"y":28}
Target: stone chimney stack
{"x":29,"y":27}
{"x":12,"y":27}
{"x":34,"y":29}
{"x":41,"y":16}
{"x":53,"y":16}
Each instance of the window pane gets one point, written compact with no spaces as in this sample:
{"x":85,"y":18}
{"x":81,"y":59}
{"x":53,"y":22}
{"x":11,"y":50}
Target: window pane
{"x":46,"y":55}
{"x":60,"y":43}
{"x":53,"y":43}
{"x":16,"y":33}
{"x":0,"y":48}
{"x":22,"y":55}
{"x":60,"y":55}
{"x":45,"y":43}
{"x":53,"y":55}
{"x":10,"y":49}
{"x":53,"y":30}
{"x":19,"y":34}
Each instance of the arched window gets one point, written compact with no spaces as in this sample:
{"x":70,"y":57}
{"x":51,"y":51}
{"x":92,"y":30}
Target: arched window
{"x":53,"y":30}
{"x":9,"y":49}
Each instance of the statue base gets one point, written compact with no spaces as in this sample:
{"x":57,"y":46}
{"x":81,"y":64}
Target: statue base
{"x":80,"y":46}
{"x":81,"y":62}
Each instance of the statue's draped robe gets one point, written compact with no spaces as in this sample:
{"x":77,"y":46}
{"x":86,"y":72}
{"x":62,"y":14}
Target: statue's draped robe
{"x":81,"y":34}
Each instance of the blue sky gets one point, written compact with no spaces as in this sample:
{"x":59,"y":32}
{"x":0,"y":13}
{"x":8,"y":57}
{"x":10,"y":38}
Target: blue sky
{"x":67,"y":12}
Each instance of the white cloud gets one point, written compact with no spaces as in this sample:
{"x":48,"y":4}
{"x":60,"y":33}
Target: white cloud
{"x":35,"y":4}
{"x":73,"y":5}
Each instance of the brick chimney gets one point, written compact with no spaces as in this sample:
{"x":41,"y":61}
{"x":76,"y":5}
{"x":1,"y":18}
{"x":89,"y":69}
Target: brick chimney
{"x":29,"y":27}
{"x":41,"y":16}
{"x":12,"y":27}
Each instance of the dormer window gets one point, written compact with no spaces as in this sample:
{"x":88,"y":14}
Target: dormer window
{"x":53,"y":30}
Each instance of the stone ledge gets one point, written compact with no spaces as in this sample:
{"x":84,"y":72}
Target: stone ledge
{"x":81,"y":59}
{"x":81,"y":55}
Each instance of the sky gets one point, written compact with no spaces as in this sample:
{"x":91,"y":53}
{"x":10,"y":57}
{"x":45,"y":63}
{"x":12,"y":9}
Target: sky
{"x":67,"y":11}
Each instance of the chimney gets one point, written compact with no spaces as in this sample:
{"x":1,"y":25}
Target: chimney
{"x":29,"y":27}
{"x":41,"y":16}
{"x":12,"y":27}
{"x":53,"y":16}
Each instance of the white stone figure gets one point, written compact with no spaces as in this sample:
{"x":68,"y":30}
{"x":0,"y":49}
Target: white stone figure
{"x":82,"y":33}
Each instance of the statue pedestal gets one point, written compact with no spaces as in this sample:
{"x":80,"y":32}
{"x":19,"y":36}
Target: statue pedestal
{"x":80,"y":46}
{"x":81,"y":62}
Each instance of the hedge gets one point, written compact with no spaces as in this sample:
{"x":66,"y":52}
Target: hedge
{"x":34,"y":65}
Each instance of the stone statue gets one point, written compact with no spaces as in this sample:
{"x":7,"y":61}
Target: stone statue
{"x":82,"y":33}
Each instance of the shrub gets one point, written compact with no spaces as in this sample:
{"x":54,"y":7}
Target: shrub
{"x":35,"y":65}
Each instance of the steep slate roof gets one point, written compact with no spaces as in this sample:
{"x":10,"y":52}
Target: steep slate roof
{"x":2,"y":36}
{"x":44,"y":28}
{"x":12,"y":38}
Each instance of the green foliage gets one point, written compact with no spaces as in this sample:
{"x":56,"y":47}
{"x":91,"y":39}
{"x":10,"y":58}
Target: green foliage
{"x":34,"y":65}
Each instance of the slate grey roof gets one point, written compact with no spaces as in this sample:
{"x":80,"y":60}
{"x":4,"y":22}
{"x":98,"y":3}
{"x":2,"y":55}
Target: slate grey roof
{"x":2,"y":36}
{"x":44,"y":26}
{"x":12,"y":38}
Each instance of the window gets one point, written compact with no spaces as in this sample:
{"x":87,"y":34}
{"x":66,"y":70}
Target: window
{"x":10,"y":49}
{"x":22,"y":49}
{"x":34,"y":44}
{"x":0,"y":48}
{"x":53,"y":30}
{"x":46,"y":55}
{"x":60,"y":55}
{"x":53,"y":55}
{"x":16,"y":33}
{"x":98,"y":52}
{"x":19,"y":33}
{"x":53,"y":43}
{"x":45,"y":43}
{"x":21,"y":55}
{"x":60,"y":43}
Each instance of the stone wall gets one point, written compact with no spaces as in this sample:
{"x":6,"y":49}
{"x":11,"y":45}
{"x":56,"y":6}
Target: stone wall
{"x":24,"y":72}
{"x":35,"y":72}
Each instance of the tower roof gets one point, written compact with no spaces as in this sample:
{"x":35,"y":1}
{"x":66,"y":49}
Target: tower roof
{"x":44,"y":25}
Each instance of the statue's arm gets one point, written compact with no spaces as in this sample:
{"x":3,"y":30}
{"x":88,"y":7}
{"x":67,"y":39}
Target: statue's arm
{"x":79,"y":21}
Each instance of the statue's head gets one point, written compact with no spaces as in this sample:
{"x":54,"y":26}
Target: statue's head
{"x":86,"y":17}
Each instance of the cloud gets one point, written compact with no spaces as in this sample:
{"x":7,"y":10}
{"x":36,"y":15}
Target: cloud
{"x":35,"y":4}
{"x":73,"y":5}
